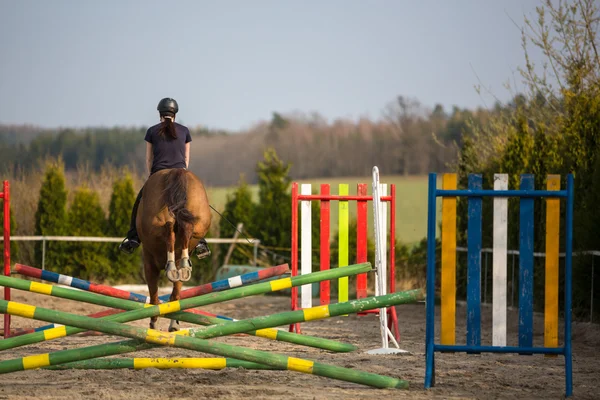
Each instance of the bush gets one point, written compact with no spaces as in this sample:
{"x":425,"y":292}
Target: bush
{"x":50,"y":217}
{"x":124,"y":266}
{"x":273,"y":218}
{"x":239,"y":208}
{"x":86,"y":218}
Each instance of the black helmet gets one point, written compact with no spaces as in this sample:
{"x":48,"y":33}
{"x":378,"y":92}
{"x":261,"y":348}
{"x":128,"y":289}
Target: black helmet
{"x":167,"y":106}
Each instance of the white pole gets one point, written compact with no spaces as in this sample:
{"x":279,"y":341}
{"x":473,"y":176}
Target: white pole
{"x":306,"y":245}
{"x":499,"y":262}
{"x":379,"y":222}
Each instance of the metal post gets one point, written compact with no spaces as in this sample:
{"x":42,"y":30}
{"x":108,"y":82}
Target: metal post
{"x":430,"y":299}
{"x":592,"y":293}
{"x":512,"y":283}
{"x":43,"y":253}
{"x":568,"y":288}
{"x":255,"y":252}
{"x":485,"y":278}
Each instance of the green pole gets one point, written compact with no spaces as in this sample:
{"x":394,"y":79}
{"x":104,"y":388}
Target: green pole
{"x":217,"y":297}
{"x":160,"y":363}
{"x":93,"y":298}
{"x":191,"y":343}
{"x":128,"y":346}
{"x":309,"y":314}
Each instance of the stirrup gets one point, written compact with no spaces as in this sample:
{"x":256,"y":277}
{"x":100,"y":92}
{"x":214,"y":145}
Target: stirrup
{"x":202,"y":250}
{"x":128,"y":246}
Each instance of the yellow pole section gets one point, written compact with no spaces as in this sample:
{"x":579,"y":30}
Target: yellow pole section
{"x":343,"y":242}
{"x":448,"y":278}
{"x":552,"y":250}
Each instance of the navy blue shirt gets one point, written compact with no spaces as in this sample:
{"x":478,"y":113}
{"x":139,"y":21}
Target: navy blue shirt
{"x":167,"y":152}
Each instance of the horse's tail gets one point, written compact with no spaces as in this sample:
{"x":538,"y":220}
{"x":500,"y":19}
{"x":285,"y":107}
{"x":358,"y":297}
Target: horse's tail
{"x":175,"y":197}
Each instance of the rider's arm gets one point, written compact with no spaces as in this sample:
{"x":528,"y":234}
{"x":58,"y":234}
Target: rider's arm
{"x":187,"y":154}
{"x":149,"y":157}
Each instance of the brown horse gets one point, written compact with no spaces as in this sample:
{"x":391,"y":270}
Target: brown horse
{"x":173,"y":215}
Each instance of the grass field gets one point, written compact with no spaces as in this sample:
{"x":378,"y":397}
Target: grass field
{"x":411,"y":202}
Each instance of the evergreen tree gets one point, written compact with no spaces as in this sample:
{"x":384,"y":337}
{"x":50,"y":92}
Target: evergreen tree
{"x":238,"y":208}
{"x":273,"y":218}
{"x":50,"y":217}
{"x":86,"y":218}
{"x":14,"y":247}
{"x":125,"y":266}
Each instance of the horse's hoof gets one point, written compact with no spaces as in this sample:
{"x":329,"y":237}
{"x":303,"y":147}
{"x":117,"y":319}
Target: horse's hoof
{"x":152,"y":325}
{"x":185,"y":263}
{"x":172,"y":272}
{"x":185,"y":274}
{"x":173,"y":326}
{"x":185,"y":269}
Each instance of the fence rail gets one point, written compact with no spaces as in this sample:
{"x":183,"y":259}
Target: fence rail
{"x":99,"y":239}
{"x":486,"y":251}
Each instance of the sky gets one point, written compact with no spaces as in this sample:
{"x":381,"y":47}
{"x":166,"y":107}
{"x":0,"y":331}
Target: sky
{"x":231,"y":64}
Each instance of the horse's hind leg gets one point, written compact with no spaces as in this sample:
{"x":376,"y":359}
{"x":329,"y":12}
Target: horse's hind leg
{"x":171,"y":268}
{"x":185,"y":265}
{"x":152,"y":281}
{"x":175,"y":295}
{"x":185,"y":270}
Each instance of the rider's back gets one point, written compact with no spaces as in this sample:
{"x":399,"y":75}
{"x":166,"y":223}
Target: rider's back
{"x":168,"y":152}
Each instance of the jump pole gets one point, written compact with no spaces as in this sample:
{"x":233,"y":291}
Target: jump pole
{"x":77,"y":283}
{"x":353,"y":306}
{"x":301,"y":199}
{"x":194,"y":343}
{"x":217,"y":286}
{"x":93,"y":298}
{"x":160,"y":363}
{"x":526,"y":194}
{"x":211,"y":298}
{"x":379,"y":223}
{"x":5,"y":195}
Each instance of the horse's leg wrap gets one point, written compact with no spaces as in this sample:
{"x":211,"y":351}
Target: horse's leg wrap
{"x":173,"y":326}
{"x":171,"y":268}
{"x":185,"y":266}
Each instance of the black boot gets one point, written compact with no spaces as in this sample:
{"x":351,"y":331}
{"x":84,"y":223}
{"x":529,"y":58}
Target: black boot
{"x":128,"y":245}
{"x":202,"y":250}
{"x":132,"y":241}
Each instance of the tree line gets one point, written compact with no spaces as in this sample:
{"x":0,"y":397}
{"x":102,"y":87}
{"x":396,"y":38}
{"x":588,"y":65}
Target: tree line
{"x":409,"y":139}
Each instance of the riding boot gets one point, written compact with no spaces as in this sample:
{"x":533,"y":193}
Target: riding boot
{"x":202,"y":250}
{"x":132,"y":241}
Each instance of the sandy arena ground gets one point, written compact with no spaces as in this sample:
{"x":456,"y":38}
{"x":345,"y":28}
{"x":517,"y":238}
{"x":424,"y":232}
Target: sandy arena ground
{"x":458,"y":375}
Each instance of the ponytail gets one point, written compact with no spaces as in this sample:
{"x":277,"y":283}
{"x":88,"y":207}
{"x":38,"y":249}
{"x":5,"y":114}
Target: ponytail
{"x":167,"y":128}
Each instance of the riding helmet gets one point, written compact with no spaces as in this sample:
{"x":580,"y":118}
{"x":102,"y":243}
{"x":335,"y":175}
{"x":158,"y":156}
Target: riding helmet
{"x":168,"y":105}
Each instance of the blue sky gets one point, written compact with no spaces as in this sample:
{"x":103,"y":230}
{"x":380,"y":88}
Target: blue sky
{"x":230,"y":63}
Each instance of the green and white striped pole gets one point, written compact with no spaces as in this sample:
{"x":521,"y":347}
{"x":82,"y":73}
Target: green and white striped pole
{"x":93,"y":298}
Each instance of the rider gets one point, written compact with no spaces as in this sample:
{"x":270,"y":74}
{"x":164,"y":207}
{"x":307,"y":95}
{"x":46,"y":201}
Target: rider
{"x":167,"y":146}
